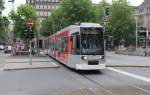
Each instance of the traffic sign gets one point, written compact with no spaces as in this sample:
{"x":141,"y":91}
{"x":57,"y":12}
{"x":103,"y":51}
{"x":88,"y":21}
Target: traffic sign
{"x":30,"y":23}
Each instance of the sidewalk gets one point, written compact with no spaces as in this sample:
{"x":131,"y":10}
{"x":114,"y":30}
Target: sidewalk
{"x":119,"y":60}
{"x":23,"y":62}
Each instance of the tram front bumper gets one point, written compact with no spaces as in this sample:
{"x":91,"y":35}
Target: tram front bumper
{"x":90,"y":67}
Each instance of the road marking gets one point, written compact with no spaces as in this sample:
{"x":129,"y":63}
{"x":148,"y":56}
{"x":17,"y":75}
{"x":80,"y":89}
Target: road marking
{"x":130,"y":74}
{"x":141,"y":89}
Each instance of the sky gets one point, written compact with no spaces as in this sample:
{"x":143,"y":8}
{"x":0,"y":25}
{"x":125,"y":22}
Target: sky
{"x":8,"y":5}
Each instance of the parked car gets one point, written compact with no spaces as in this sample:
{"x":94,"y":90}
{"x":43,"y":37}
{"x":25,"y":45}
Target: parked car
{"x":1,"y":47}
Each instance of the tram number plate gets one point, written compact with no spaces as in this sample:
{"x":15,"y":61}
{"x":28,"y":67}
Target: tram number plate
{"x":93,"y":62}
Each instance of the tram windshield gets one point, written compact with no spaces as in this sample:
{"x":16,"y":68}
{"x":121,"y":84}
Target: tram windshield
{"x":92,"y":42}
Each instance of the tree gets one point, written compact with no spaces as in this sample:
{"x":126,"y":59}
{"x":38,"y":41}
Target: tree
{"x":1,"y":4}
{"x":77,"y":11}
{"x":68,"y":13}
{"x":1,"y":19}
{"x":46,"y":26}
{"x":20,"y":18}
{"x":1,"y":27}
{"x":121,"y":21}
{"x":103,"y":5}
{"x":4,"y":22}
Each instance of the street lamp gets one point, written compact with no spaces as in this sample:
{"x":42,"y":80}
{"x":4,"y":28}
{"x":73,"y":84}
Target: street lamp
{"x":147,"y":32}
{"x":136,"y":33}
{"x":13,"y":47}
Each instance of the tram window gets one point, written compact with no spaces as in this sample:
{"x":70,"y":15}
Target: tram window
{"x":64,"y":44}
{"x":76,"y":44}
{"x":57,"y":45}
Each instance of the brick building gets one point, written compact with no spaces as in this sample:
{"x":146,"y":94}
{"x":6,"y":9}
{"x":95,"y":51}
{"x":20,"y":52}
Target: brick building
{"x":143,"y":22}
{"x":44,"y":7}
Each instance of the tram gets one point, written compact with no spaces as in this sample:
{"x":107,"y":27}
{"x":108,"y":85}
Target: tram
{"x":79,"y":46}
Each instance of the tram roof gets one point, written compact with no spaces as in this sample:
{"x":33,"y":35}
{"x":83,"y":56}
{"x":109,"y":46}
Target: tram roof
{"x":80,"y":25}
{"x":89,"y":25}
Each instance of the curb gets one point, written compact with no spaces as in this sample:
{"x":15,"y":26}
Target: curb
{"x":22,"y":65}
{"x":30,"y":68}
{"x":27,"y":66}
{"x":127,"y":66}
{"x":27,"y":62}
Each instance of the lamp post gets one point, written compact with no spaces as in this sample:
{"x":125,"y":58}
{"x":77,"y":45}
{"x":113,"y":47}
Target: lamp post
{"x":147,"y":32}
{"x":14,"y":39}
{"x":136,"y":33}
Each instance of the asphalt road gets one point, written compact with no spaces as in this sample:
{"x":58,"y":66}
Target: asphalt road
{"x":63,"y":81}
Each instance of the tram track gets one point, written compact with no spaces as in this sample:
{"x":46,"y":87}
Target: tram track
{"x":101,"y":86}
{"x":98,"y":84}
{"x":134,"y":86}
{"x":109,"y":90}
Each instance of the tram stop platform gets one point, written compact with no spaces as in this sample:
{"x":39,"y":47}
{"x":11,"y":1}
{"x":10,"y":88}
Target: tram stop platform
{"x":23,"y":62}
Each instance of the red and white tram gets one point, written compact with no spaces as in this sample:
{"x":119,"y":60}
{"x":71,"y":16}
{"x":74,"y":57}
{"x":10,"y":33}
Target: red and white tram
{"x":79,"y":46}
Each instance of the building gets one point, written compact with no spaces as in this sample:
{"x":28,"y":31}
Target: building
{"x":44,"y":7}
{"x":143,"y":22}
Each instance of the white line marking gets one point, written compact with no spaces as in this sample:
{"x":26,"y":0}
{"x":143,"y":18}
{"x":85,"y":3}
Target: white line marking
{"x":130,"y":74}
{"x":142,"y":89}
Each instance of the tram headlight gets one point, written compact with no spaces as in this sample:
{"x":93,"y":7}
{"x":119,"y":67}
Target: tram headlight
{"x":101,"y":57}
{"x":84,"y":57}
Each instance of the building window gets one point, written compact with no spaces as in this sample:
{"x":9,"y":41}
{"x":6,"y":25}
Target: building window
{"x":49,"y":0}
{"x":37,"y":7}
{"x":53,"y":7}
{"x":41,"y":6}
{"x":45,"y":6}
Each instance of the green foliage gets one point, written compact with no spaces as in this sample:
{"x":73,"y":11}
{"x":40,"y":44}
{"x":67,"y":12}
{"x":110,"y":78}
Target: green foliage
{"x":100,"y":10}
{"x":4,"y":22}
{"x":121,"y":21}
{"x":20,"y":18}
{"x":69,"y":12}
{"x":46,"y":26}
{"x":1,"y":4}
{"x":1,"y":27}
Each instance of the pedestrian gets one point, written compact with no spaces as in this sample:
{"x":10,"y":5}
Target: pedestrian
{"x":33,"y":51}
{"x":130,"y":49}
{"x":145,"y":52}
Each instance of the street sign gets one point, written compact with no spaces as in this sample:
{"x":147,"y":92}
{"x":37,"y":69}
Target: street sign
{"x":30,"y":23}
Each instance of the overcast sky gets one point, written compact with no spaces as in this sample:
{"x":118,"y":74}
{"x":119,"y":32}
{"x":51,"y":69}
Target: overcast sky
{"x":8,"y":5}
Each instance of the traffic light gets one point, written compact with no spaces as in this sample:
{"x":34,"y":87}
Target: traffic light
{"x":107,"y":11}
{"x":32,"y":34}
{"x":29,"y":34}
{"x":26,"y":34}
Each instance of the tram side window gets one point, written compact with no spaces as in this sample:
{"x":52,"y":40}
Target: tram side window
{"x":76,"y":44}
{"x":50,"y":46}
{"x":57,"y":45}
{"x":64,"y":44}
{"x":53,"y":46}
